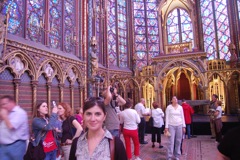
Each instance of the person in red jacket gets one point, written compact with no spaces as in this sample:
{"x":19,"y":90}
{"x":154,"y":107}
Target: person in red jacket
{"x":188,"y":111}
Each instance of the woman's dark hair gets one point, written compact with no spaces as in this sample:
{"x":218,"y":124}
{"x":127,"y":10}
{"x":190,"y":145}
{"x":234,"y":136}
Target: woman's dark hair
{"x":219,"y":103}
{"x":94,"y":101}
{"x":77,"y":110}
{"x":216,"y":96}
{"x":129,"y":103}
{"x":37,"y":114}
{"x":68,"y":109}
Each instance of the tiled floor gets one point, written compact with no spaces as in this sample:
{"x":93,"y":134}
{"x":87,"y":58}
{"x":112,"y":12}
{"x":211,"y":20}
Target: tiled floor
{"x":199,"y":148}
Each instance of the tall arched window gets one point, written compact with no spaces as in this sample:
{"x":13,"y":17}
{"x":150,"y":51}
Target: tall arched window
{"x":179,"y":27}
{"x":117,"y":33}
{"x":15,"y":9}
{"x":69,"y":25}
{"x":238,"y":3}
{"x":215,"y":28}
{"x":35,"y":14}
{"x":50,"y":22}
{"x":146,"y":35}
{"x":55,"y":20}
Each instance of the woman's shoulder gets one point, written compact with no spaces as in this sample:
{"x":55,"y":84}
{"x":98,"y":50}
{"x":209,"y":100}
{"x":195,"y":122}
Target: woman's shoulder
{"x":71,"y":118}
{"x":37,"y":120}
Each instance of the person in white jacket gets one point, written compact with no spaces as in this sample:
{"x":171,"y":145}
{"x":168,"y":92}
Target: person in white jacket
{"x":175,"y":125}
{"x":158,"y":122}
{"x":130,"y":120}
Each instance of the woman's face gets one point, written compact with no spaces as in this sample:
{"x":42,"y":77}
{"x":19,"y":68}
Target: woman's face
{"x":43,"y":109}
{"x":174,"y":100}
{"x":94,"y":118}
{"x":61,"y":110}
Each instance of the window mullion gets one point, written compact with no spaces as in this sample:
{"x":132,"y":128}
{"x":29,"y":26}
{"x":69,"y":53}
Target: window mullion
{"x":215,"y":30}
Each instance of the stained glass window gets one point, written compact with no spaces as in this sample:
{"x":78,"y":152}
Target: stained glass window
{"x":36,"y":19}
{"x":99,"y":29}
{"x":117,"y":33}
{"x":15,"y":9}
{"x":215,"y":28}
{"x":122,"y":32}
{"x":238,"y":4}
{"x":55,"y":20}
{"x":69,"y":23}
{"x":179,"y":27}
{"x":145,"y":31}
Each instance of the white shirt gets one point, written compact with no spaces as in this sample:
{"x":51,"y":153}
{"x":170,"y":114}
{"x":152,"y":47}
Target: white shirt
{"x":174,"y":117}
{"x":157,"y":115}
{"x":219,"y":108}
{"x":140,"y":109}
{"x":19,"y":120}
{"x":130,"y":118}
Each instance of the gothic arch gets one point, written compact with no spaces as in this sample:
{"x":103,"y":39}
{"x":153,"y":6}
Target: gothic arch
{"x":165,"y":74}
{"x":56,"y":70}
{"x":18,"y":68}
{"x":182,"y":63}
{"x":76,"y":75}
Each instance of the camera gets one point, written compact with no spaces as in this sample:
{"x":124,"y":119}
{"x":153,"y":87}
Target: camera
{"x":111,"y":89}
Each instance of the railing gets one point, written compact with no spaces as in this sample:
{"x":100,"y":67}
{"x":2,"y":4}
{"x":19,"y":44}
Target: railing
{"x":178,"y":48}
{"x":217,"y":64}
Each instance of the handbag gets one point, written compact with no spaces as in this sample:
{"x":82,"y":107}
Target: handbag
{"x":35,"y":152}
{"x":150,"y":121}
{"x":112,"y":147}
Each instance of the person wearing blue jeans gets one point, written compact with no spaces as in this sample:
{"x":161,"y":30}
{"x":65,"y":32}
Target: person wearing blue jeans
{"x":115,"y":132}
{"x":13,"y":151}
{"x":14,"y":130}
{"x":51,"y":155}
{"x":188,"y":112}
{"x":112,"y":101}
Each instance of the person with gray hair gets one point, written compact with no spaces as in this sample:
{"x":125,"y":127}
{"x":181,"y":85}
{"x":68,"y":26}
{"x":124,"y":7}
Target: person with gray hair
{"x":212,"y":109}
{"x":142,"y":125}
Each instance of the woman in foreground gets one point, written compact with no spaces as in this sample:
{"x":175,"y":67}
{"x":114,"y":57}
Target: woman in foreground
{"x":96,"y":142}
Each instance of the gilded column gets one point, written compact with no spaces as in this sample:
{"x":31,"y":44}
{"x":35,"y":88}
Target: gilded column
{"x":72,"y":96}
{"x":61,"y":86}
{"x":206,"y":96}
{"x":34,"y":96}
{"x":16,"y":89}
{"x":49,"y":86}
{"x":81,"y":89}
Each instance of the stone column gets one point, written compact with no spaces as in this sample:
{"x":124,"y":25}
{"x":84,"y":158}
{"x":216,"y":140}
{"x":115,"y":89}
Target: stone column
{"x":34,"y":96}
{"x":61,"y":86}
{"x":16,"y":82}
{"x":49,"y":86}
{"x":89,"y":37}
{"x":72,"y":96}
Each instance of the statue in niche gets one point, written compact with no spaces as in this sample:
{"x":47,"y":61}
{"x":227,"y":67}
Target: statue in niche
{"x":233,"y":58}
{"x":71,"y":74}
{"x":48,"y":70}
{"x":94,"y":64}
{"x":17,"y":64}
